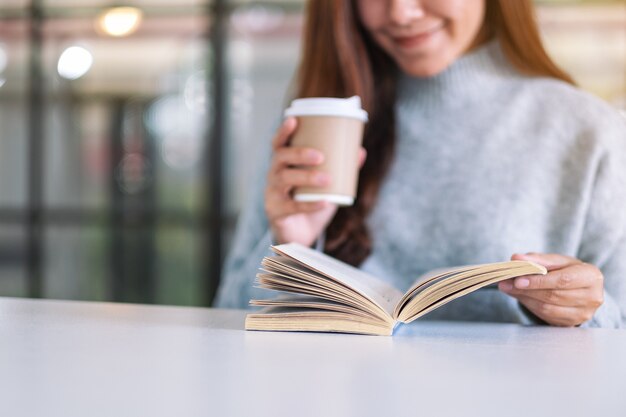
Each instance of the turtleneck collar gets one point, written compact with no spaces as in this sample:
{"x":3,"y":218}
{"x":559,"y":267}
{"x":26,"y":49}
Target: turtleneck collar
{"x":464,"y":80}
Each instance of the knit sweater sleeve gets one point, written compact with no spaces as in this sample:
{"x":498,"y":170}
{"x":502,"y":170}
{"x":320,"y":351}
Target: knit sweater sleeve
{"x":604,"y":236}
{"x":250,"y":244}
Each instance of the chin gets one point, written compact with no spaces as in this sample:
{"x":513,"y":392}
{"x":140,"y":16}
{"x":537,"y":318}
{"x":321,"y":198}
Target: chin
{"x":424,"y":70}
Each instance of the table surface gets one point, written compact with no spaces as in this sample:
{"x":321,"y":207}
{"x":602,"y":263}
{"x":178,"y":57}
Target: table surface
{"x":60,"y":358}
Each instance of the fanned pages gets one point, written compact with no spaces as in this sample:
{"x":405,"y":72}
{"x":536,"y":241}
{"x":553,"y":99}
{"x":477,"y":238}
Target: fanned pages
{"x":322,"y":294}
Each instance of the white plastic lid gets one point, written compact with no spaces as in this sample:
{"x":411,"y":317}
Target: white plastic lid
{"x":342,"y":200}
{"x":326,"y":106}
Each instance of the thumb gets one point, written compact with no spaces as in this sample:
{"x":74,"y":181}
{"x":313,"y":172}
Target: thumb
{"x":551,"y":261}
{"x":284,"y":132}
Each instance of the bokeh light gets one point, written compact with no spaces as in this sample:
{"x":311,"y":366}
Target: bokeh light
{"x":120,"y":21}
{"x":74,"y":62}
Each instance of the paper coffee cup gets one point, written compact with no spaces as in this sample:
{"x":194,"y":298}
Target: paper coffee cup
{"x":333,"y":126}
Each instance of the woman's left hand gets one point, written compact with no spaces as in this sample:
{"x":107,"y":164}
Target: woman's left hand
{"x":568,"y":295}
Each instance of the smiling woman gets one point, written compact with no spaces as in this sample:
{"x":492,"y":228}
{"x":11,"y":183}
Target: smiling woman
{"x":366,"y":59}
{"x":479,"y":149}
{"x":423,"y":37}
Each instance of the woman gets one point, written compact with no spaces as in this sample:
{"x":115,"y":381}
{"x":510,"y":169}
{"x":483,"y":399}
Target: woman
{"x":478,"y":149}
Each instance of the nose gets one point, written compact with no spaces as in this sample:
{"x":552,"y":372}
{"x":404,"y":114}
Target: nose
{"x":403,"y":12}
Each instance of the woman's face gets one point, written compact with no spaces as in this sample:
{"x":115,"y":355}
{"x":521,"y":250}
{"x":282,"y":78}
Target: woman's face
{"x":423,"y":36}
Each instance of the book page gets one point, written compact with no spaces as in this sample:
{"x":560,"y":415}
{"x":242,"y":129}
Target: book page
{"x":426,"y":279}
{"x":312,"y":302}
{"x":431,"y":288}
{"x":374,"y":289}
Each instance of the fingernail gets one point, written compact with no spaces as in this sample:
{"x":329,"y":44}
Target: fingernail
{"x":314,"y":156}
{"x":522,"y":282}
{"x":321,"y":178}
{"x":506,"y":286}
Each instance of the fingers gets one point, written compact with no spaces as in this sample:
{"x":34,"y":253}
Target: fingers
{"x":294,"y":167}
{"x":286,"y":156}
{"x":579,"y":297}
{"x":550,"y":260}
{"x":282,"y":177}
{"x":288,"y":178}
{"x":567,"y":295}
{"x":278,"y":199}
{"x":289,"y":207}
{"x":555,"y":314}
{"x":580,"y":275}
{"x":284,"y":132}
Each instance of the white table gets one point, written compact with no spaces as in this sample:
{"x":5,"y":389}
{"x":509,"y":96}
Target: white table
{"x":68,"y":359}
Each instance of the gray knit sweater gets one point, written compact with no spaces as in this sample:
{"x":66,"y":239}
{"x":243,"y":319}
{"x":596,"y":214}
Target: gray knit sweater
{"x":488,"y":163}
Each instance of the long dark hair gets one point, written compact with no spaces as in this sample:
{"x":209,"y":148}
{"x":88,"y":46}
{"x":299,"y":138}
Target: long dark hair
{"x":340,"y":59}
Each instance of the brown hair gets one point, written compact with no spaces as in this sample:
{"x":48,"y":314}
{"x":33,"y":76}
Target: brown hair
{"x":340,"y":60}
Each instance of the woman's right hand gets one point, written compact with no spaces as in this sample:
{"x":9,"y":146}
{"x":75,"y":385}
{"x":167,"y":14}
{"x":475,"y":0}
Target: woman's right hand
{"x":290,"y":220}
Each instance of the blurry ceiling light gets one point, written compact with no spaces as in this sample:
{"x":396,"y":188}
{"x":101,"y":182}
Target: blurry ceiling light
{"x":4,"y":59}
{"x":120,"y":21}
{"x":74,"y":62}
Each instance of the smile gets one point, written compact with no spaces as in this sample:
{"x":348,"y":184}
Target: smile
{"x":418,"y":39}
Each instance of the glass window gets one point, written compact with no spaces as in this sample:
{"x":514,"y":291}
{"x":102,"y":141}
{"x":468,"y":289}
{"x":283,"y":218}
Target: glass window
{"x":125,"y":128}
{"x":14,"y":69}
{"x":76,"y":263}
{"x":12,"y":261}
{"x":177,"y":268}
{"x":152,"y":84}
{"x":263,"y":48}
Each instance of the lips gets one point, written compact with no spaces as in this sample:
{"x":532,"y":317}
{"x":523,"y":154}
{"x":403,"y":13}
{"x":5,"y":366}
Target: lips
{"x":418,"y":38}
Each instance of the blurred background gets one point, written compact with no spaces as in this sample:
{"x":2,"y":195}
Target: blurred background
{"x":129,"y":132}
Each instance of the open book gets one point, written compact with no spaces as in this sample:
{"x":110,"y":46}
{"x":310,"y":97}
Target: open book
{"x":327,"y":295}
